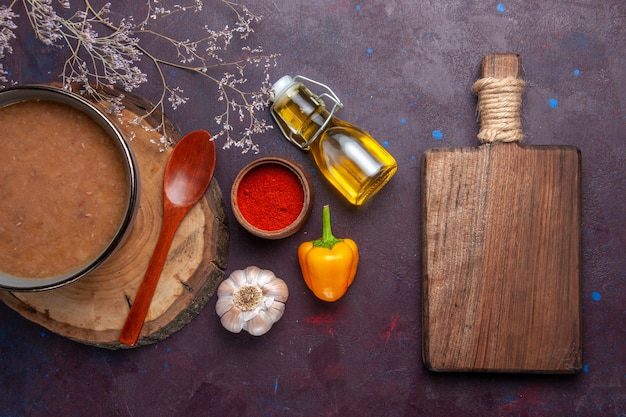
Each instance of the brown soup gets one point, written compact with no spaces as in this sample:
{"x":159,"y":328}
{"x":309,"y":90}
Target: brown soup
{"x":63,"y":189}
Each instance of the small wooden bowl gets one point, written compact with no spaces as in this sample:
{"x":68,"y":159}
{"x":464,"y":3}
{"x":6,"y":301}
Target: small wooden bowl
{"x":267,"y":205}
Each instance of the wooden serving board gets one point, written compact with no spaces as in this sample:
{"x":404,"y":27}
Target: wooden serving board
{"x":502,"y":254}
{"x":92,"y":310}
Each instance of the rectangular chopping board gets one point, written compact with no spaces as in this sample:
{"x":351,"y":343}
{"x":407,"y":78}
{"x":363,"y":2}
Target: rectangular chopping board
{"x":501,"y":244}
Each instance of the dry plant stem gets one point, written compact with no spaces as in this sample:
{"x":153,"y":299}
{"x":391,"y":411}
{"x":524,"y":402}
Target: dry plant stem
{"x":200,"y":70}
{"x":6,"y":36}
{"x":112,"y":59}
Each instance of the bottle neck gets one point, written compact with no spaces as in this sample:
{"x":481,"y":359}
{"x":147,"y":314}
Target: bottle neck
{"x":301,"y":112}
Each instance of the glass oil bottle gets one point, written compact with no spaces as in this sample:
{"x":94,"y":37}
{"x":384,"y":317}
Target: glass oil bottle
{"x":348,"y":157}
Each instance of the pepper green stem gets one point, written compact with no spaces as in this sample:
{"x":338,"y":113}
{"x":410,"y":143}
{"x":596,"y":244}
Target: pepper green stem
{"x":327,"y":240}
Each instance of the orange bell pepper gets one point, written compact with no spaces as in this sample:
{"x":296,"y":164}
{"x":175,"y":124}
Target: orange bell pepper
{"x":328,"y":264}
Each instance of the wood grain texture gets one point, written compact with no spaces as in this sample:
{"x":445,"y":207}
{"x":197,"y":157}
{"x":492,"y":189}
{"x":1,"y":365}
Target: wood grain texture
{"x":186,"y":178}
{"x":93,"y":309}
{"x":501,"y":258}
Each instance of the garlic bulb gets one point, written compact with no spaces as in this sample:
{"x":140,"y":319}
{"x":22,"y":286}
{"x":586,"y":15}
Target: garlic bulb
{"x":252,"y":299}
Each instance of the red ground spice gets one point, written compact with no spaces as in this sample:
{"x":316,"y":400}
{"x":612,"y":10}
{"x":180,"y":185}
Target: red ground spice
{"x":270,"y":197}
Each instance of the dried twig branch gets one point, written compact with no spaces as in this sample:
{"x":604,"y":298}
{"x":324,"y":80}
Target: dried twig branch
{"x":113,"y":59}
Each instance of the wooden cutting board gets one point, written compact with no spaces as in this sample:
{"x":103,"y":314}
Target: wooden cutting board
{"x":502,"y":244}
{"x":93,"y":309}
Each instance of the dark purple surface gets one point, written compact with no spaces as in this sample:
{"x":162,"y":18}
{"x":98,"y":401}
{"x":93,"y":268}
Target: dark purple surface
{"x":404,"y":71}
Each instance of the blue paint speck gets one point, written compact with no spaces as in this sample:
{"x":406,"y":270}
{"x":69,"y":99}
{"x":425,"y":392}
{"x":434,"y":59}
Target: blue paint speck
{"x":358,"y":7}
{"x":554,"y":103}
{"x":403,"y":121}
{"x":576,"y":72}
{"x":596,"y":296}
{"x":427,"y":36}
{"x":385,"y":143}
{"x":370,"y":51}
{"x":437,"y":134}
{"x":510,"y":398}
{"x":585,"y":368}
{"x":500,"y":7}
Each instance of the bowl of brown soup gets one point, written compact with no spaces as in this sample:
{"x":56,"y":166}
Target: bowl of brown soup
{"x":69,"y":187}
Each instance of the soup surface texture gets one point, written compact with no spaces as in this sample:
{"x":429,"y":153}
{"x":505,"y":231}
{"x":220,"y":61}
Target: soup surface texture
{"x":63,"y":189}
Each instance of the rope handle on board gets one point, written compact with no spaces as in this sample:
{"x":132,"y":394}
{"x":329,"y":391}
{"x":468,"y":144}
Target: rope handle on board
{"x":499,"y":109}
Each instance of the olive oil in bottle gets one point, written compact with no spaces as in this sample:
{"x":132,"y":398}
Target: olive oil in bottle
{"x":348,"y":157}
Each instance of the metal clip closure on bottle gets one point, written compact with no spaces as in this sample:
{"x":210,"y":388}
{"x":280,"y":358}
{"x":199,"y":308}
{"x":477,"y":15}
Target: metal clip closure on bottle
{"x":287,"y":131}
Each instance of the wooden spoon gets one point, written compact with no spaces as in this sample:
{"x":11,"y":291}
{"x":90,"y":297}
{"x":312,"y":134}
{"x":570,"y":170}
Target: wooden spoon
{"x":187,"y":176}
